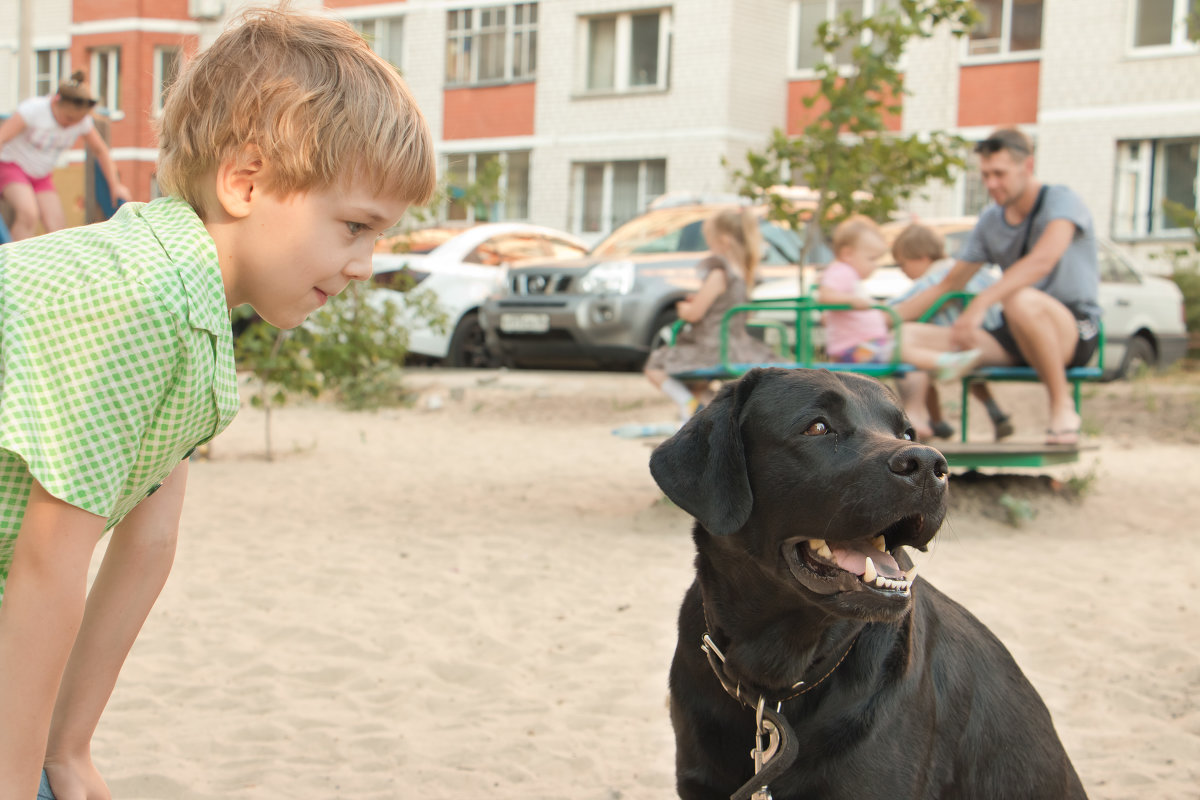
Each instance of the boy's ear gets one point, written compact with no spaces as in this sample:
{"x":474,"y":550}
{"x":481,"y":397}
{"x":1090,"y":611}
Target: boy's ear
{"x":239,"y":177}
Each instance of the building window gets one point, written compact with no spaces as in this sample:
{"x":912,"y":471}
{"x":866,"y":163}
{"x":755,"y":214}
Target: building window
{"x":974,"y":193}
{"x":53,"y":67}
{"x":1007,"y":27}
{"x":471,"y":199}
{"x":386,"y":37}
{"x":626,"y":52}
{"x":106,"y":77}
{"x":167,"y":61}
{"x":1151,"y":172}
{"x":494,"y":44}
{"x":1165,"y":23}
{"x":610,"y":193}
{"x":807,"y":18}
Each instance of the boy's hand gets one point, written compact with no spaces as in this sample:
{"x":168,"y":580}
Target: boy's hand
{"x":965,"y":329}
{"x":43,"y":606}
{"x":76,"y":781}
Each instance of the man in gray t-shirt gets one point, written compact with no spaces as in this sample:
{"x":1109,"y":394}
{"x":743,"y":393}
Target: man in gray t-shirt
{"x":1043,"y":239}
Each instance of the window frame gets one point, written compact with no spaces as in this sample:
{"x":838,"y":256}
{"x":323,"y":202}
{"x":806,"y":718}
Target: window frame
{"x":467,"y":55}
{"x":382,"y":37}
{"x":1138,"y":182}
{"x":623,"y":53}
{"x":1180,"y":44}
{"x":1006,"y":53}
{"x":106,"y":62}
{"x":500,"y":208}
{"x":579,"y":193}
{"x":160,"y":88}
{"x":796,"y":48}
{"x":46,"y":83}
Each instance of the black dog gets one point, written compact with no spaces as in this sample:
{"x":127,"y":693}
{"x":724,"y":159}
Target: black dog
{"x":806,"y":486}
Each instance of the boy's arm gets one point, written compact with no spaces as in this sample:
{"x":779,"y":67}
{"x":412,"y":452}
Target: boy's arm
{"x":41,"y":613}
{"x":95,"y":143}
{"x":132,"y":574}
{"x":912,"y":307}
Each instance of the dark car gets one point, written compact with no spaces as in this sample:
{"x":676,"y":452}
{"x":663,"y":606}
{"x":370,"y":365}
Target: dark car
{"x":613,"y":307}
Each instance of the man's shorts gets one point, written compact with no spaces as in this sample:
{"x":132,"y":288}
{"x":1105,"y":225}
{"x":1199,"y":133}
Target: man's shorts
{"x":11,"y":173}
{"x":1089,"y":339}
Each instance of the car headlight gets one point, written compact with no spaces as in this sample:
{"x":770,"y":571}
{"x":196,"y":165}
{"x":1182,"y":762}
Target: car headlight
{"x":611,"y":277}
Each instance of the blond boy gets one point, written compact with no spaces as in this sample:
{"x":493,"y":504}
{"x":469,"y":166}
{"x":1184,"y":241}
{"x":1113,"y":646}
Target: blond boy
{"x":286,"y":148}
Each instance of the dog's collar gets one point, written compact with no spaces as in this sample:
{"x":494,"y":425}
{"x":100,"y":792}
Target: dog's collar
{"x":750,"y":696}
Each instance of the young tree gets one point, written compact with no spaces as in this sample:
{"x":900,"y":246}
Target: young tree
{"x":845,"y":155}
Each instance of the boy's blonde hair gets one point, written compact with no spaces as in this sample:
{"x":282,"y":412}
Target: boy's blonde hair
{"x":851,"y":231}
{"x":741,"y":226}
{"x":320,"y":106}
{"x":919,"y":241}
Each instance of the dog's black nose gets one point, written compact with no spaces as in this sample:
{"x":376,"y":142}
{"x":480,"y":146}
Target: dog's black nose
{"x":918,"y":460}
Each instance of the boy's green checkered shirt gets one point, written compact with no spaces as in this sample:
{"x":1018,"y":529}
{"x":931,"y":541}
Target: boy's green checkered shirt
{"x":116,"y":360}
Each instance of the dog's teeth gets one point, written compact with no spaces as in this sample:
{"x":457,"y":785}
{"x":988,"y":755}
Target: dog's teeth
{"x":880,"y":544}
{"x":869,"y":574}
{"x":816,"y":544}
{"x":825,"y":552}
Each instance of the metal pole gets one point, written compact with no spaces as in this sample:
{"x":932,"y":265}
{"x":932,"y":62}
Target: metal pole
{"x":24,"y":49}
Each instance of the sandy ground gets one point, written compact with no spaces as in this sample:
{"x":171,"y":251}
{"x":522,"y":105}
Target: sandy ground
{"x":476,"y":597}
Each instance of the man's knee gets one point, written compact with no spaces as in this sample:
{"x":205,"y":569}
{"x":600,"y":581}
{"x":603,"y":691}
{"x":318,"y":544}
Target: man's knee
{"x":1033,"y":309}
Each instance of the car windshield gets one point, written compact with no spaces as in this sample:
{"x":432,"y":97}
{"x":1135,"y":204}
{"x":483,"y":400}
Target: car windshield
{"x":678,"y":230}
{"x":670,"y":230}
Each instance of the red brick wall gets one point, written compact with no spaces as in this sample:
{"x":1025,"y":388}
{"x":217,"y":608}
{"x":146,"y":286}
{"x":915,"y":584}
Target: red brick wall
{"x":487,"y":111}
{"x":346,"y":3}
{"x":798,"y":115}
{"x":998,"y":94}
{"x":90,"y":10}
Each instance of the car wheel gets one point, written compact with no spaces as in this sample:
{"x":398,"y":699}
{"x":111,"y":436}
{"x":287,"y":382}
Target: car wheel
{"x":660,"y":333}
{"x":1139,"y":357}
{"x":468,"y":345}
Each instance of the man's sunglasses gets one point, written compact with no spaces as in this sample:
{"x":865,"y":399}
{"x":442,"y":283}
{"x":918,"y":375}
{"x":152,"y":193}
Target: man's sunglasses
{"x":994,"y":144}
{"x":79,"y":102}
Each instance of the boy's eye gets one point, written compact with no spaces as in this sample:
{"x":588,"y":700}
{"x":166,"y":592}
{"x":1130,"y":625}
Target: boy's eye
{"x":355,"y":228}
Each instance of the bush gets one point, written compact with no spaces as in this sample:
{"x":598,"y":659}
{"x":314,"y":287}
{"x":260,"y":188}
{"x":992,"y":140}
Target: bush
{"x":1186,"y":259}
{"x":351,"y":348}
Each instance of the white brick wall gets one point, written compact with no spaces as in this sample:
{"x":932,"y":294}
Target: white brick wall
{"x":1096,"y":91}
{"x":49,"y":29}
{"x":728,"y":88}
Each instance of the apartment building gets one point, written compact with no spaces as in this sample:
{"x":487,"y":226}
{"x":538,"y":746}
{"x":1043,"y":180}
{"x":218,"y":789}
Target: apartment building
{"x":593,"y":108}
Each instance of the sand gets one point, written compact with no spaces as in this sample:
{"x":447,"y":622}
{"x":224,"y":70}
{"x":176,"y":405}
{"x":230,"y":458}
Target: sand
{"x":476,"y":597}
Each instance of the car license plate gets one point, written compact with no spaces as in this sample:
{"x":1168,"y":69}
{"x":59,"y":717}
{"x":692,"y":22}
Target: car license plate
{"x":524,"y":323}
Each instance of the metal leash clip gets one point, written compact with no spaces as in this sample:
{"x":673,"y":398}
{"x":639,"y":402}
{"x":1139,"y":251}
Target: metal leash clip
{"x":763,"y":728}
{"x":771,"y":762}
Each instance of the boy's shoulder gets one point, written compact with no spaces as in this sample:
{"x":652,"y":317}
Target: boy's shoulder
{"x":159,"y":251}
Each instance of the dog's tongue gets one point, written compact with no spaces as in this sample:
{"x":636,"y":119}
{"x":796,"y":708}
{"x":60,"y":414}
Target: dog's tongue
{"x":854,"y":560}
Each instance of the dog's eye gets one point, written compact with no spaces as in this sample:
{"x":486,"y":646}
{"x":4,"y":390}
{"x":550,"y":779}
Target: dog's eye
{"x":817,"y":429}
{"x":910,"y":434}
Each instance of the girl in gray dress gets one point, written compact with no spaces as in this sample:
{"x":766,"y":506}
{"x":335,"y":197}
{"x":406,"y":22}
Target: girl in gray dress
{"x":735,"y":242}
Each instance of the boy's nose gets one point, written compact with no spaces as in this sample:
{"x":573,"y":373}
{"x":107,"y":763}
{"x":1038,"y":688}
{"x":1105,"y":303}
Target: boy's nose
{"x":359,"y":269}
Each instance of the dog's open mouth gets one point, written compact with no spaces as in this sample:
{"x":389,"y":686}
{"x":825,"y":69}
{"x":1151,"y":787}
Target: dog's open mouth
{"x":878,"y":563}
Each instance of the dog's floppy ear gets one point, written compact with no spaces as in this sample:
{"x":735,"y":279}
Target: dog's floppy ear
{"x":702,"y":468}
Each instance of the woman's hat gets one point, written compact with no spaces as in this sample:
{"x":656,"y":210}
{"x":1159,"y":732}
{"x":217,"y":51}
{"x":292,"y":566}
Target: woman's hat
{"x":76,"y":90}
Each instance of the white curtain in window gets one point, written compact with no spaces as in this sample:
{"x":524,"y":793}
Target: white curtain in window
{"x":602,"y":53}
